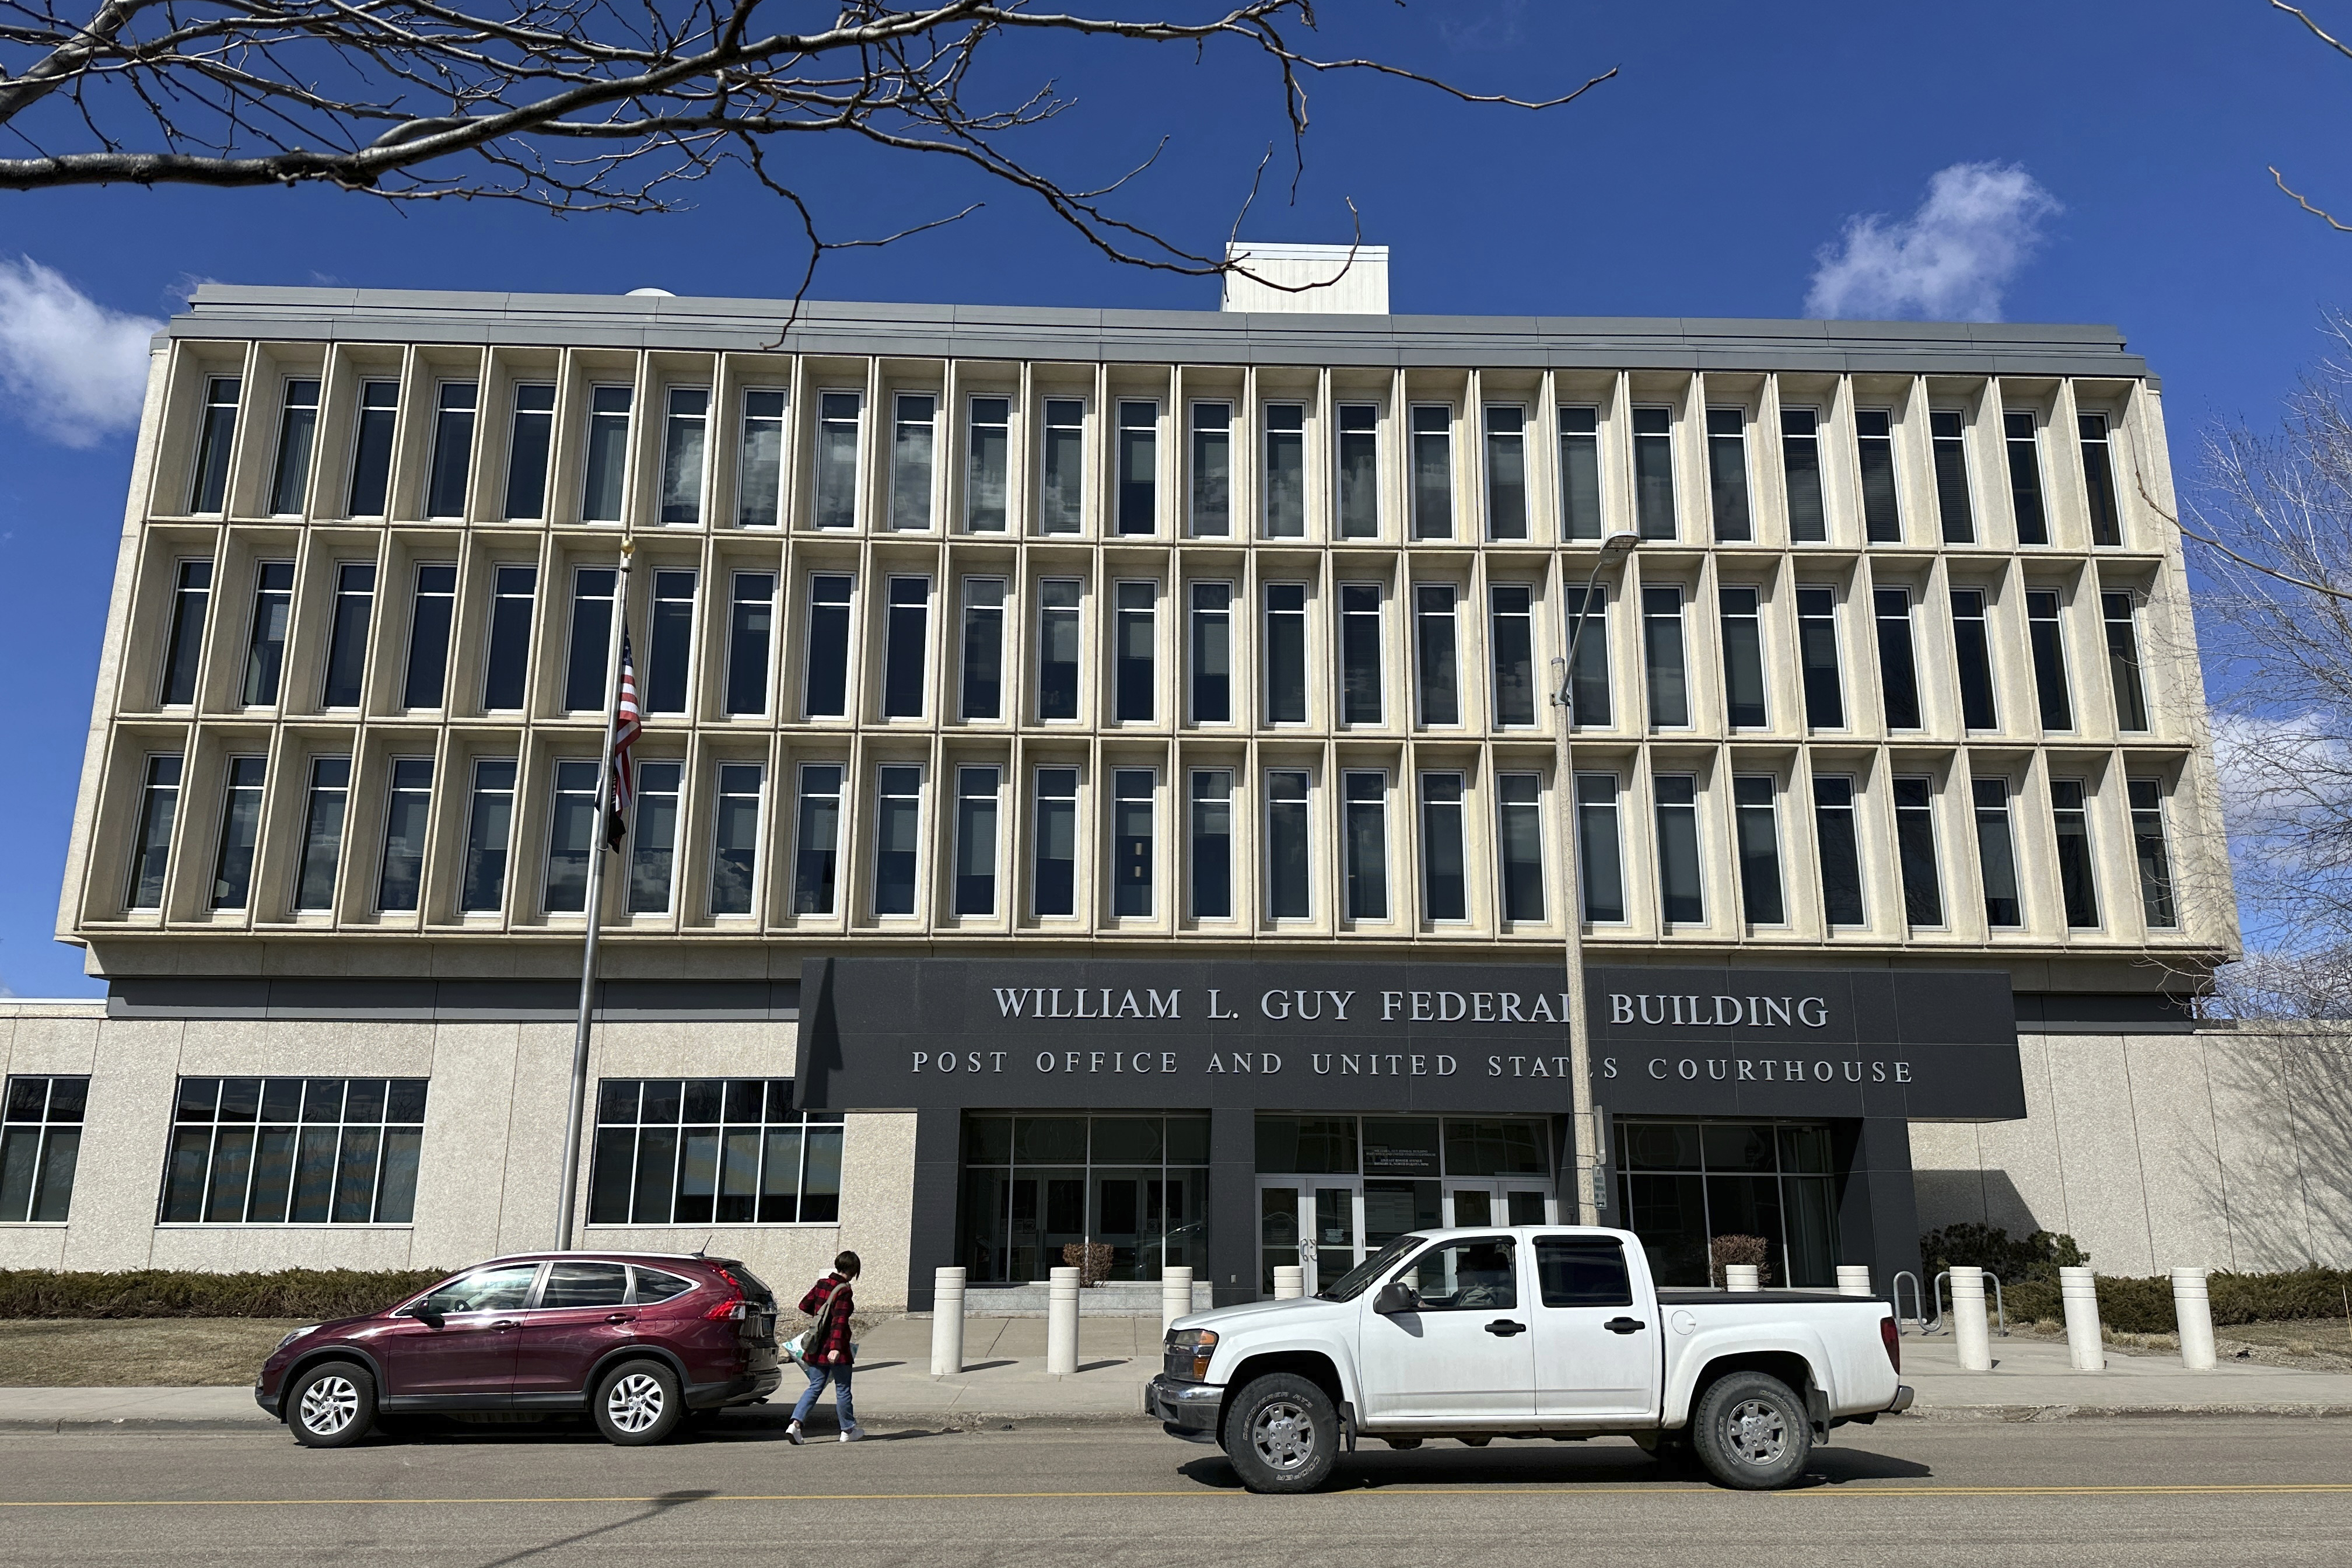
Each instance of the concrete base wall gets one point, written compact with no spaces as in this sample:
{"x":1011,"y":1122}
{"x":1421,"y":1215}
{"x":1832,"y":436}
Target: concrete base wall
{"x":2227,"y":1149}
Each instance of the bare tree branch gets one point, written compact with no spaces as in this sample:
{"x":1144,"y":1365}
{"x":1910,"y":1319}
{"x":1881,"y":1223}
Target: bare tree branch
{"x":2301,"y":201}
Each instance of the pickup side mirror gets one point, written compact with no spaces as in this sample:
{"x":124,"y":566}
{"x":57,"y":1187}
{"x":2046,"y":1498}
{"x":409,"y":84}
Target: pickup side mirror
{"x":423,"y":1312}
{"x":1395,"y":1296}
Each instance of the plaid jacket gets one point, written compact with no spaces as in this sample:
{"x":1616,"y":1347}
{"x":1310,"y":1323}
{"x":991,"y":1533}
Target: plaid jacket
{"x":832,"y":1347}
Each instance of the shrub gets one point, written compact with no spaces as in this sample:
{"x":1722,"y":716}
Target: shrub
{"x":315,"y":1293}
{"x":2144,"y":1305}
{"x":1725,"y":1249}
{"x":1992,"y":1249}
{"x":1092,"y":1260}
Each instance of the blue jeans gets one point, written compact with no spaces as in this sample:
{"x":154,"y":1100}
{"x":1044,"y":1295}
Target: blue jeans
{"x":816,"y":1376}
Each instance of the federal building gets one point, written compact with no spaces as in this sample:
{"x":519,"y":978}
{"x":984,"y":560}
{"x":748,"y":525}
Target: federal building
{"x":1100,"y":784}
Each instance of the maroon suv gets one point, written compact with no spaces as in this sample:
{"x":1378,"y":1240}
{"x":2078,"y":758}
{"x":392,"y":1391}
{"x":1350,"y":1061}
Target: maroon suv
{"x":636,"y":1339}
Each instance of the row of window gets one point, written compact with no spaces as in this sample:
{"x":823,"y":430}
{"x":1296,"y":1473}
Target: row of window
{"x":911,"y":490}
{"x":746,"y":646}
{"x":334,"y":1151}
{"x":974,"y":840}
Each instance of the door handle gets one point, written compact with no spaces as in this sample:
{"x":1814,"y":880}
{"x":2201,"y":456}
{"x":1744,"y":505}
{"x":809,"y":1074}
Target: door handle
{"x":503,"y":1324}
{"x":1503,"y":1328}
{"x":1624,"y":1325}
{"x":622,"y":1317}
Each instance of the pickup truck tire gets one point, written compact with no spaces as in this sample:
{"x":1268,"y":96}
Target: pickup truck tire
{"x":1752,"y":1432}
{"x":1282,"y":1433}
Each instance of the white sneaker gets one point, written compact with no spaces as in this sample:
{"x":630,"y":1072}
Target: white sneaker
{"x":852,"y":1433}
{"x":792,"y":1434}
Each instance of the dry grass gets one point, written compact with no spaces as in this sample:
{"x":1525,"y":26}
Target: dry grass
{"x":135,"y":1353}
{"x":2302,"y":1344}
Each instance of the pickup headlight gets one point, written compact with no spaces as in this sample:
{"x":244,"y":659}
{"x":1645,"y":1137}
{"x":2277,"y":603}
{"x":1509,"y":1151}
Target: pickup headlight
{"x":1192,"y":1346}
{"x":293,"y":1334}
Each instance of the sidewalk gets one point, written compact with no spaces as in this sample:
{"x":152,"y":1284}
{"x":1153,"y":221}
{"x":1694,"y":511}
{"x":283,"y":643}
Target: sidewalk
{"x":1005,"y":1380}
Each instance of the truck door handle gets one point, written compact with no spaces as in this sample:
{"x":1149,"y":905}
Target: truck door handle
{"x":1624,"y":1325}
{"x":1503,"y":1328}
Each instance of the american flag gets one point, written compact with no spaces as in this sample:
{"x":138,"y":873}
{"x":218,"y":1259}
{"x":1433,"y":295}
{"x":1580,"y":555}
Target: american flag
{"x":626,"y":723}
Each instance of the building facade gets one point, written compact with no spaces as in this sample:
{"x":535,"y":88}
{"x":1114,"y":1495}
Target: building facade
{"x":1162,"y":699}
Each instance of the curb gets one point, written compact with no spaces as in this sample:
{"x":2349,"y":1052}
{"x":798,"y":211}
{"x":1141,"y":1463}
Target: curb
{"x":2011,"y":1414}
{"x":945,"y":1420}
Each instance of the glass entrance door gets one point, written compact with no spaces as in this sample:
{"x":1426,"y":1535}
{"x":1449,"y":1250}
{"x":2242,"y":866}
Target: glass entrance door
{"x":1335,"y":1232}
{"x":1503,"y":1202}
{"x":1316,"y":1225}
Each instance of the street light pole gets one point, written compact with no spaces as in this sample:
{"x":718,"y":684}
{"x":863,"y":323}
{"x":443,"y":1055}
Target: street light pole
{"x":1587,"y":1128}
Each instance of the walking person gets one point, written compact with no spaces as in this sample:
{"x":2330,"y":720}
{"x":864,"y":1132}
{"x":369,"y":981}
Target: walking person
{"x":827,"y":1350}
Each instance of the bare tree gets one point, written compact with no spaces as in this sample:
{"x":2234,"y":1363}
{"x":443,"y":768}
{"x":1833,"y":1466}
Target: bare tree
{"x":2341,"y":47}
{"x":591,"y":105}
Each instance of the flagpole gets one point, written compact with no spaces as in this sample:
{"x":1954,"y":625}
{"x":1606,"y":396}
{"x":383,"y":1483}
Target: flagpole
{"x":595,"y":906}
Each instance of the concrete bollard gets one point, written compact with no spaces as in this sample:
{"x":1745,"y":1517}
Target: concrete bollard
{"x":1742,"y":1276}
{"x":947,"y":1322}
{"x":2193,"y":1308}
{"x":1175,"y":1296}
{"x":1971,"y":1334}
{"x":1289,"y":1282}
{"x":1062,"y":1323}
{"x":2077,"y":1289}
{"x":1853,"y":1279}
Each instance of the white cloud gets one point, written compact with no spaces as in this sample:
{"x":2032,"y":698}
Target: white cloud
{"x":1948,"y":262}
{"x":70,"y":368}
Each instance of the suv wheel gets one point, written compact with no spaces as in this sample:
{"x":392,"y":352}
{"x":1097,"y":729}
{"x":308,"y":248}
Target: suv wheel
{"x":637,"y":1403}
{"x":1282,"y":1434}
{"x":1751,"y":1432}
{"x":331,"y":1405}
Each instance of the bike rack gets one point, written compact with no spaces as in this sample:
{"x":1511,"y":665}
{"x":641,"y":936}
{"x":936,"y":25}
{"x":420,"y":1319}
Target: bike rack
{"x":1999,"y":1307}
{"x":1918,"y":1304}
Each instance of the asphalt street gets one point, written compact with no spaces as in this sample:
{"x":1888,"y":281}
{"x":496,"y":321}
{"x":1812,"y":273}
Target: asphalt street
{"x":2141,"y":1491}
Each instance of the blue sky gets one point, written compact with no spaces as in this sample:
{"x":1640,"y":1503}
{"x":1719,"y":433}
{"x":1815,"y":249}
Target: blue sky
{"x":1736,"y":143}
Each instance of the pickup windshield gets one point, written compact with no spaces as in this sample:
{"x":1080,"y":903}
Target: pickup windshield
{"x":1354,"y":1282}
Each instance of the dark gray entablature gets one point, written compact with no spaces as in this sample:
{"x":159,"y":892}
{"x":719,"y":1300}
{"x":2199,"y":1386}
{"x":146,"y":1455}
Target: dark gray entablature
{"x":1163,"y":337}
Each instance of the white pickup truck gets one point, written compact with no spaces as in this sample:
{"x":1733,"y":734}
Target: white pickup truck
{"x":1526,"y":1331}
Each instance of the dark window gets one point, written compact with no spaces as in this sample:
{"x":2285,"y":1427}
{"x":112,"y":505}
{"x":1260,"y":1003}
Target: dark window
{"x":1743,"y":657}
{"x":1682,"y":896}
{"x":1582,"y":1271}
{"x":1212,"y":653}
{"x":587,"y":660}
{"x":2046,"y":633}
{"x":1437,"y":663}
{"x":1285,"y":471}
{"x":1213,"y":844}
{"x":1057,"y":647}
{"x":1138,"y":468}
{"x":1131,"y":841}
{"x":983,"y":647}
{"x":1580,"y":472}
{"x":2025,"y":478}
{"x":431,"y":613}
{"x":1061,"y":501}
{"x":834,"y":483}
{"x":735,"y":839}
{"x":1433,"y":471}
{"x":1841,"y":851}
{"x":913,"y":435}
{"x":1287,"y":889}
{"x":159,"y":807}
{"x":671,"y":639}
{"x":1285,"y":653}
{"x":653,"y":840}
{"x":372,"y":448}
{"x":759,"y":461}
{"x":1476,"y":1275}
{"x":1360,"y":470}
{"x":1687,"y":1182}
{"x":975,"y":841}
{"x":1997,"y":853}
{"x":1752,"y":797}
{"x":1800,"y":466}
{"x":824,"y":682}
{"x":905,"y":648}
{"x":322,"y":833}
{"x":608,"y":453}
{"x":2148,"y":850}
{"x":1817,"y":649}
{"x":192,"y":596}
{"x":2123,"y":661}
{"x":1882,"y":518}
{"x":40,"y":1144}
{"x":1444,"y":852}
{"x":1364,"y":834}
{"x":1972,"y":651}
{"x":1898,"y":669}
{"x":1055,"y":880}
{"x":1915,"y":843}
{"x":817,"y":846}
{"x":240,"y":832}
{"x":408,"y":814}
{"x":706,"y":1150}
{"x":1727,"y":474}
{"x":453,"y":449}
{"x":531,"y":439}
{"x":685,"y":437}
{"x":2099,"y":479}
{"x":1359,"y":653}
{"x":1952,"y":501}
{"x":1662,"y":657}
{"x":750,"y":612}
{"x":1588,"y":642}
{"x":2075,"y":877}
{"x":273,"y":610}
{"x":571,"y":836}
{"x":298,"y":434}
{"x":348,"y":634}
{"x":1653,"y":472}
{"x":1518,"y":830}
{"x":1507,"y":472}
{"x":897,"y":839}
{"x":577,"y":1285}
{"x":490,"y":830}
{"x":987,"y":464}
{"x":216,"y":439}
{"x":512,"y":590}
{"x":279,"y":1151}
{"x":1212,"y":470}
{"x":1132,"y":656}
{"x":1511,"y":630}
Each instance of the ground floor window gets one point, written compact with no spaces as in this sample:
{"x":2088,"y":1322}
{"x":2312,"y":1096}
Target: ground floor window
{"x":712,"y":1151}
{"x":1035,"y":1185}
{"x":300,"y":1150}
{"x":1331,"y":1190}
{"x":39,"y":1145}
{"x":1684,"y":1183}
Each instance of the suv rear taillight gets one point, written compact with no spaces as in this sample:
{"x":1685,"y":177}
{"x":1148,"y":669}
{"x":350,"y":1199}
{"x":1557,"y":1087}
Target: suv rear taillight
{"x":1892,"y":1342}
{"x":731,"y":1308}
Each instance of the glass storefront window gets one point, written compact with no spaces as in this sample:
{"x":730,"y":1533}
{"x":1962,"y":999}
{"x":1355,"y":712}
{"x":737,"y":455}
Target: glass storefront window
{"x":1035,"y":1184}
{"x":1684,"y":1183}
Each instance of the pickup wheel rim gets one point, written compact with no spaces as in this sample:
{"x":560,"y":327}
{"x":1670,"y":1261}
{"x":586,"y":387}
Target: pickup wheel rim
{"x":329,"y":1406}
{"x":1283,"y":1434}
{"x":1757,"y":1431}
{"x":634,"y":1403}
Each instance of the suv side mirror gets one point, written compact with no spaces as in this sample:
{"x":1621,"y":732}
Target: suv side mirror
{"x":1395,"y":1296}
{"x":424,"y":1312}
